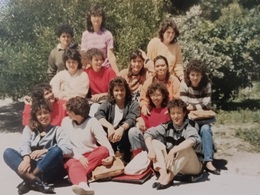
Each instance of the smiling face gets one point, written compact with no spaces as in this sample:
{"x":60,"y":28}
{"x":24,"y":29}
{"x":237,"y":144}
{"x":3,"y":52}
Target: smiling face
{"x":44,"y":117}
{"x":177,"y":116}
{"x":72,"y":66}
{"x":160,"y":69}
{"x":49,"y":96}
{"x":119,"y":93}
{"x":136,"y":65}
{"x":157,"y":98}
{"x":195,"y":78}
{"x":168,"y":35}
{"x":97,"y":62}
{"x":65,"y":40}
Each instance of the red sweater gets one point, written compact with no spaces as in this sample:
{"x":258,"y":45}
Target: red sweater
{"x":157,"y":116}
{"x":99,"y":81}
{"x":58,"y":113}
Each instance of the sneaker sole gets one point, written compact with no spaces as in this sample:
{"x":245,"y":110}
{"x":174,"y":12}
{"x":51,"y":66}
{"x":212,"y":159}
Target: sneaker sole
{"x":81,"y":191}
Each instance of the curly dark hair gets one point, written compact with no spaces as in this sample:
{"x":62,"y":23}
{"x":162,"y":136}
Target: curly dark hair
{"x":37,"y":106}
{"x":177,"y":103}
{"x":95,"y":10}
{"x":160,"y":57}
{"x":73,"y":54}
{"x":165,"y":25}
{"x":64,"y":28}
{"x":79,"y":106}
{"x":157,"y":86}
{"x":119,"y":81}
{"x":133,"y":55}
{"x":38,"y":90}
{"x":197,"y":66}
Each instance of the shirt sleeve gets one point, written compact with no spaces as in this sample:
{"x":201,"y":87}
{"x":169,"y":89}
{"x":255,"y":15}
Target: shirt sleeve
{"x":56,"y":85}
{"x":109,"y":40}
{"x":133,"y":114}
{"x":63,"y":142}
{"x":52,"y":68}
{"x":84,"y":41}
{"x":101,"y":136}
{"x":25,"y":147}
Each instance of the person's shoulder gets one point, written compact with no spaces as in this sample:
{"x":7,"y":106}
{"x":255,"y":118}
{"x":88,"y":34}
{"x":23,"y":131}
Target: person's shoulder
{"x":123,"y":73}
{"x":85,"y":33}
{"x":106,"y":32}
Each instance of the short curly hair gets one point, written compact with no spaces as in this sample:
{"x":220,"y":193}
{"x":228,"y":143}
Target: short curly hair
{"x":64,"y":28}
{"x":79,"y":106}
{"x":165,"y":25}
{"x":197,"y":66}
{"x":177,"y":103}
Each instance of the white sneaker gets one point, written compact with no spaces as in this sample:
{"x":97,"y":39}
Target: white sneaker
{"x":82,"y":189}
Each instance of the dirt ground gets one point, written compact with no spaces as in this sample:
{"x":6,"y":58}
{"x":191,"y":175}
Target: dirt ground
{"x":233,"y":154}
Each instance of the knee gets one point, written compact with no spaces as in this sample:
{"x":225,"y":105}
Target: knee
{"x":132,"y":133}
{"x":205,"y":129}
{"x":103,"y":151}
{"x":7,"y":153}
{"x":56,"y":151}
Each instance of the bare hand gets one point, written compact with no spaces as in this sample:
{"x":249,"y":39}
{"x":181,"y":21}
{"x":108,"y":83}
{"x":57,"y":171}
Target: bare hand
{"x":111,"y":131}
{"x":96,"y":97}
{"x":141,"y":125}
{"x":190,"y":107}
{"x":24,"y":166}
{"x":118,"y":135}
{"x":143,"y":54}
{"x":107,"y":161}
{"x":145,"y":111}
{"x":38,"y":153}
{"x":172,"y":155}
{"x":84,"y":161}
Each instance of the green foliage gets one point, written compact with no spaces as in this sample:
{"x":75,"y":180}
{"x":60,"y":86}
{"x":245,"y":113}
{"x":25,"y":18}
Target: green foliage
{"x":229,"y":46}
{"x":229,"y":43}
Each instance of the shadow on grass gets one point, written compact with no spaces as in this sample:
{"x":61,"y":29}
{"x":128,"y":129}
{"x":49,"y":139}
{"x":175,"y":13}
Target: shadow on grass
{"x":11,"y":117}
{"x":250,"y":104}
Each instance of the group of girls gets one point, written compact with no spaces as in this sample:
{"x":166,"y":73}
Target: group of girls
{"x":91,"y":111}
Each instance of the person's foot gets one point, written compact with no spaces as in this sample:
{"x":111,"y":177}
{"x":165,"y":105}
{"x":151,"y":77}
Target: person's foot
{"x":82,"y":189}
{"x":41,"y":186}
{"x":167,"y":181}
{"x":209,"y":167}
{"x":23,"y":187}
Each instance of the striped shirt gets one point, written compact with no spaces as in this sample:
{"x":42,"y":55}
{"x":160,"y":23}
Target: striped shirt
{"x":199,"y":99}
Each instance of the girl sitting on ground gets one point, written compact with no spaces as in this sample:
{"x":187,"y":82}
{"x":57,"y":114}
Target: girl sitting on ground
{"x":89,"y":142}
{"x":158,"y":98}
{"x":40,"y":156}
{"x":174,"y":147}
{"x":118,"y":114}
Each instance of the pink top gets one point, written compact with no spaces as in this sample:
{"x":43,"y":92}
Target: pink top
{"x":58,"y":113}
{"x":99,"y":81}
{"x":157,"y":116}
{"x":102,"y":40}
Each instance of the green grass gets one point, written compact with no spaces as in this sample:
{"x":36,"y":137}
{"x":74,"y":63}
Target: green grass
{"x":244,"y":113}
{"x":251,"y":135}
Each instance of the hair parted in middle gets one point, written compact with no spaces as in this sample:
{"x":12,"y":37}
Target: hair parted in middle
{"x":160,"y":57}
{"x":95,"y":10}
{"x":121,"y":82}
{"x":133,"y":55}
{"x":157,"y":86}
{"x":165,"y":25}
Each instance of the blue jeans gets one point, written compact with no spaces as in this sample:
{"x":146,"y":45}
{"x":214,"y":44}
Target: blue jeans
{"x":50,"y":166}
{"x":136,"y":138}
{"x":207,"y":142}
